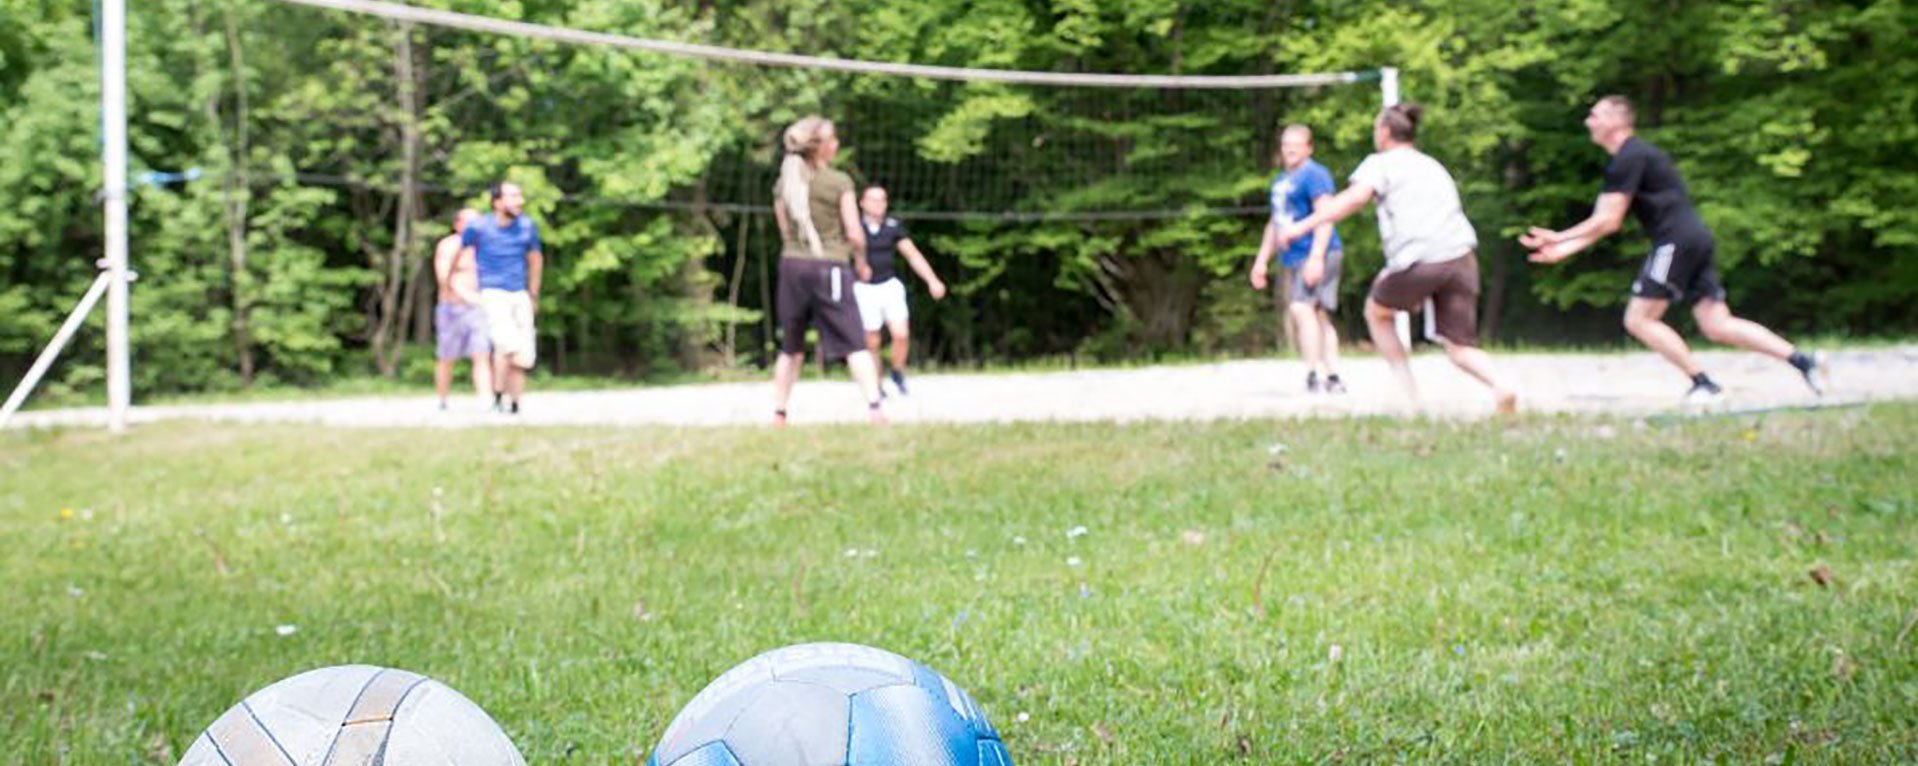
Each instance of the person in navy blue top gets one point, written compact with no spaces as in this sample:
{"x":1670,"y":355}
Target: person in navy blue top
{"x":1643,"y":179}
{"x":1310,"y":288}
{"x":882,"y":297}
{"x":505,"y":247}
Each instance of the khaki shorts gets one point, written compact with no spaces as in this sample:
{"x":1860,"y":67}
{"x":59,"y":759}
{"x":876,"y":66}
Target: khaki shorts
{"x":509,"y":318}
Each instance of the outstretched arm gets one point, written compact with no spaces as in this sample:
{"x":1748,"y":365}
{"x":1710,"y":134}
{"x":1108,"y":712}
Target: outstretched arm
{"x":1339,"y":208}
{"x":922,"y":268}
{"x":1608,"y":214}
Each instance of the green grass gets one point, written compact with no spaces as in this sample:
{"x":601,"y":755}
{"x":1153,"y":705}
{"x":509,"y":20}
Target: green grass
{"x":1556,"y":591}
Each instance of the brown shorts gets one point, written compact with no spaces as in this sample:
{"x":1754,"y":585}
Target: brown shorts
{"x":818,"y":293}
{"x":1452,"y":287}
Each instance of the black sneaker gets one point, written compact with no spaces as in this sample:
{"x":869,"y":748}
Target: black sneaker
{"x":1816,"y":369}
{"x":514,"y":408}
{"x":1312,"y":382}
{"x":899,"y":382}
{"x":1333,"y":385}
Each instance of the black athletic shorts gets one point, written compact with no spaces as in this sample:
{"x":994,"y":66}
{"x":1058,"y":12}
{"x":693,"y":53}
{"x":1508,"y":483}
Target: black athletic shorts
{"x":818,"y":293}
{"x":1680,"y":270}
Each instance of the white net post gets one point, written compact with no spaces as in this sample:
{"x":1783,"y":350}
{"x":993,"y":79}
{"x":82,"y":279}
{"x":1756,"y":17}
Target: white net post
{"x":113,"y":119}
{"x":1389,"y":92}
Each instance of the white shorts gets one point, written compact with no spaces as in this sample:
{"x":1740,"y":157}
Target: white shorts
{"x":509,"y":317}
{"x":881,"y":304}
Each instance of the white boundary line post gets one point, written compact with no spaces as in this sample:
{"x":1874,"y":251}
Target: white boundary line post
{"x":113,"y":123}
{"x":45,"y":360}
{"x":1389,"y":92}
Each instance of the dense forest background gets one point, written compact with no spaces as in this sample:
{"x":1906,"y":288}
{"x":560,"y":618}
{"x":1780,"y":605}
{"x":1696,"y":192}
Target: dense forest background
{"x":1095,"y":224}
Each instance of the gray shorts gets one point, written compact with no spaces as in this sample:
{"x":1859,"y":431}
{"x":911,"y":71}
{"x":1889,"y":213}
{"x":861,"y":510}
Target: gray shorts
{"x":462,"y":331}
{"x":1325,"y":294}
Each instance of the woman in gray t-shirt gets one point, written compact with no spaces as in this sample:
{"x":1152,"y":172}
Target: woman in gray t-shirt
{"x":1429,"y":247}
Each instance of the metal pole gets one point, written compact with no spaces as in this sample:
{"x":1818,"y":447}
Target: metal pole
{"x":1389,"y":90}
{"x":45,"y":360}
{"x":113,"y":123}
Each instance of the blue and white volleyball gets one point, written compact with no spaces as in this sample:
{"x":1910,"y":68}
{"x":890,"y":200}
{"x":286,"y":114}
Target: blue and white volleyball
{"x":830,"y":705}
{"x":354,"y":715}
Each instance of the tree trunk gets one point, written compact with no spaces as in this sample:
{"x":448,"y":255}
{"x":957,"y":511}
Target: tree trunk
{"x":389,"y":340}
{"x":1159,"y":291}
{"x":732,"y":289}
{"x":236,"y":193}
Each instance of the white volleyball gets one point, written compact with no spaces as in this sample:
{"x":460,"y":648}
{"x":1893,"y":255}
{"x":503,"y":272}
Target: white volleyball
{"x":354,"y":715}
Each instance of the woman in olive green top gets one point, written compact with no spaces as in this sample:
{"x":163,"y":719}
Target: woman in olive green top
{"x":823,"y":247}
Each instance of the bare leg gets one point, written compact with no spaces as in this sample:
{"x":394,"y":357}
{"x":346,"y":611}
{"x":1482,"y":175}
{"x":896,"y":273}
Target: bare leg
{"x":1329,"y":345}
{"x":443,"y":377}
{"x":1716,"y":321}
{"x":502,"y":372}
{"x":901,"y":344}
{"x":1478,"y":364}
{"x":1383,"y":323}
{"x":785,"y":373}
{"x":1306,"y":321}
{"x":872,"y":342}
{"x":865,"y":371}
{"x":515,"y":381}
{"x":1644,"y":319}
{"x":482,"y":376}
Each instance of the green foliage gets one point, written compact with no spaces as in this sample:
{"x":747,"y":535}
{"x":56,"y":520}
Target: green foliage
{"x":1793,"y":123}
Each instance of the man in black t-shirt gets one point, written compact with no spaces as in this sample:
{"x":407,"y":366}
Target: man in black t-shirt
{"x":1642,"y":178}
{"x":882,"y":299}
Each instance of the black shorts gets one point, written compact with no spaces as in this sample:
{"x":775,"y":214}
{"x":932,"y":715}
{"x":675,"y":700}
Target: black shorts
{"x":1678,"y":271}
{"x":818,"y":293}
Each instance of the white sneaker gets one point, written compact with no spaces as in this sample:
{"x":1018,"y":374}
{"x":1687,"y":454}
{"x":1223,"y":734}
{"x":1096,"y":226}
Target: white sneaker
{"x":1704,"y":396}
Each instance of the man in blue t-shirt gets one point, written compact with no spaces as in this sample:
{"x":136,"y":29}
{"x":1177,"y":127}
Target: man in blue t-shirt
{"x":505,"y":247}
{"x":1310,"y":289}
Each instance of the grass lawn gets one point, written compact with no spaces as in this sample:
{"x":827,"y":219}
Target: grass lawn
{"x":1560,"y":590}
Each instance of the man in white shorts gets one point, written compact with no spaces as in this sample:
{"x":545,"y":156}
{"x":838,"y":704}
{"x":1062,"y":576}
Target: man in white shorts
{"x":506,"y":248}
{"x":882,"y":299}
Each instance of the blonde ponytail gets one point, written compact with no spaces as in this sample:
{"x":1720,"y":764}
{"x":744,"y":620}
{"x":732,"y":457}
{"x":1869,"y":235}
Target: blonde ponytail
{"x":795,"y":178}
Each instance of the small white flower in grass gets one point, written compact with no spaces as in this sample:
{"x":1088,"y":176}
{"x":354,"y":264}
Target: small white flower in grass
{"x":1074,"y":561}
{"x":869,"y":553}
{"x":852,"y":553}
{"x":1076,"y":532}
{"x":75,"y":592}
{"x":1336,"y":654}
{"x":1018,"y":540}
{"x":285,"y":630}
{"x":1276,"y":448}
{"x":1024,"y":716}
{"x":86,"y":514}
{"x":286,"y":519}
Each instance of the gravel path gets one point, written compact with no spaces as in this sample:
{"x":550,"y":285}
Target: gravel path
{"x":1631,"y":384}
